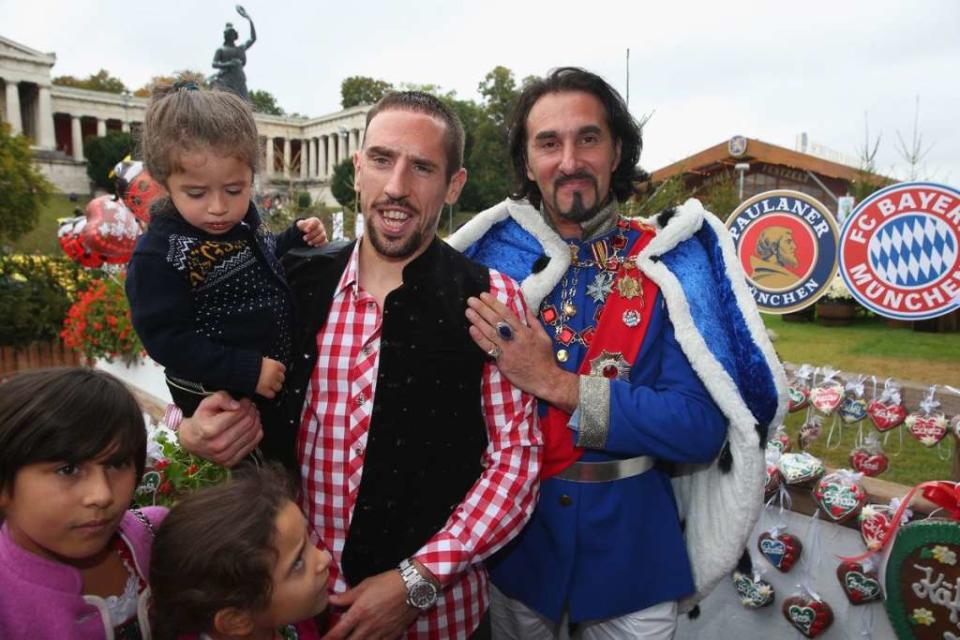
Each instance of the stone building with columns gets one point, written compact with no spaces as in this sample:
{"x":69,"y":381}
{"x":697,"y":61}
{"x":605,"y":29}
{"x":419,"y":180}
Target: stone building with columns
{"x":299,"y":153}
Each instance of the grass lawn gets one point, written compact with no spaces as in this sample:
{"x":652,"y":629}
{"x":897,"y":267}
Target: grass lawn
{"x":870,"y":347}
{"x":43,"y":239}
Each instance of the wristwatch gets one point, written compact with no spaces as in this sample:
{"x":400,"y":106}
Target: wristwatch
{"x":421,"y":593}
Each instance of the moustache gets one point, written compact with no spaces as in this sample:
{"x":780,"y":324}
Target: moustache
{"x":396,"y":202}
{"x":580,"y":175}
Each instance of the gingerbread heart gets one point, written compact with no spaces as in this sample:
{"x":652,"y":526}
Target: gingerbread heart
{"x":852,"y":409}
{"x":860,"y":584}
{"x":782,"y":550}
{"x":839,"y":496}
{"x":797,"y":397}
{"x":809,"y":615}
{"x":928,"y":428}
{"x":773,"y":480}
{"x":869,"y":463}
{"x":779,"y":442}
{"x":754,"y":591}
{"x":827,"y":397}
{"x":874,"y":522}
{"x":809,"y":431}
{"x":799,"y":467}
{"x":886,"y":415}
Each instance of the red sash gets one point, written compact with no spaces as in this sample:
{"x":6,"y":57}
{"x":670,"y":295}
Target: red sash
{"x":612,"y":337}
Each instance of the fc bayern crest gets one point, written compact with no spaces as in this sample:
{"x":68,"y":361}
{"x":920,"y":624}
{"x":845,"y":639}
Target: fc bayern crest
{"x":899,"y":251}
{"x":787,"y":244}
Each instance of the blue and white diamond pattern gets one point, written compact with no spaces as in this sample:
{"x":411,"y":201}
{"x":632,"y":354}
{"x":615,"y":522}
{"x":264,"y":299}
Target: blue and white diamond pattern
{"x":912,"y":250}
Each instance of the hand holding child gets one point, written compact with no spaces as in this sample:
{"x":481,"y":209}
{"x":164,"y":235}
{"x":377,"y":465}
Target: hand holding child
{"x":271,"y":378}
{"x":313,"y":232}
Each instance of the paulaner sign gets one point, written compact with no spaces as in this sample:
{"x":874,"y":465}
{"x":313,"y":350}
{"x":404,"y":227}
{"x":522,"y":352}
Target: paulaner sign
{"x":787,"y":244}
{"x":899,"y":251}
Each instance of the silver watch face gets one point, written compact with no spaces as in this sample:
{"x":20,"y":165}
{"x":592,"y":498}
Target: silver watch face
{"x":422,"y":594}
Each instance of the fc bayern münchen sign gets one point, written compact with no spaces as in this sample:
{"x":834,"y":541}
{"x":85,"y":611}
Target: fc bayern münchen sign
{"x":787,"y":244}
{"x":899,"y":251}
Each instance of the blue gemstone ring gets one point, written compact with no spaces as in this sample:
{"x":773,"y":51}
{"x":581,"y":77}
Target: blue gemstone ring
{"x":504,"y":330}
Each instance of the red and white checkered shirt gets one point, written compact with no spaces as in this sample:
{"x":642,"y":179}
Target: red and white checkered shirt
{"x":332,"y":442}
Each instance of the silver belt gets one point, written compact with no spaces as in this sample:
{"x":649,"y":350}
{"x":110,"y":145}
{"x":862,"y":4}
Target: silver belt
{"x":606,"y":471}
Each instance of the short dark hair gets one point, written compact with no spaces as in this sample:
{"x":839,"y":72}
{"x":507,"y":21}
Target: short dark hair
{"x":216,"y":550}
{"x":68,"y":414}
{"x":623,"y":127}
{"x":430,"y":105}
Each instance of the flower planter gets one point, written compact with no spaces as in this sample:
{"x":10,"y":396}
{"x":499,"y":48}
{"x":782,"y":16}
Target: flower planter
{"x":836,"y":314}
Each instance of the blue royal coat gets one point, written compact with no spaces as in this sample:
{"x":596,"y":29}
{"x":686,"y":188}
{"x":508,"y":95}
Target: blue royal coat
{"x":706,"y":379}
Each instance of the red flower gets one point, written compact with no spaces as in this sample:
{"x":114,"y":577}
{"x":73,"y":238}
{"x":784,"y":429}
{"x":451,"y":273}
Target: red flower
{"x":192,"y":469}
{"x":160,"y":465}
{"x":165,"y":488}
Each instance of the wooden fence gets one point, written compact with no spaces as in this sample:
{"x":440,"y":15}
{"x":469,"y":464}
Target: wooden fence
{"x":37,"y":355}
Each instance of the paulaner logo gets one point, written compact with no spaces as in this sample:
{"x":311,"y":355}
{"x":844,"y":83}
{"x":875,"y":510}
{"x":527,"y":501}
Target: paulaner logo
{"x":899,"y":251}
{"x":787,"y":244}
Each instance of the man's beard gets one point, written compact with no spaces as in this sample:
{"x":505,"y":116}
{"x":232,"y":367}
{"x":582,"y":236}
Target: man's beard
{"x":396,"y":249}
{"x":578,"y":212}
{"x":786,"y":261}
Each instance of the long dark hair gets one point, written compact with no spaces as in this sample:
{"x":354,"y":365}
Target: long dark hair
{"x":623,"y":127}
{"x":69,"y":414}
{"x":216,"y":550}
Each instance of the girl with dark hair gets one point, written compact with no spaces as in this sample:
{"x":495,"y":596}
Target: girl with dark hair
{"x":236,"y":561}
{"x":74,"y":559}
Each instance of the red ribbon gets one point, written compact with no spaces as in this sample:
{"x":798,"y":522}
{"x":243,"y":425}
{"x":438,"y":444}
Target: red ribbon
{"x":941,"y":492}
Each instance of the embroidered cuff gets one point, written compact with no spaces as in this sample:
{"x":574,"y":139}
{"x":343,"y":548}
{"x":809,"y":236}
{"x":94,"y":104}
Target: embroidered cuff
{"x":594,"y":411}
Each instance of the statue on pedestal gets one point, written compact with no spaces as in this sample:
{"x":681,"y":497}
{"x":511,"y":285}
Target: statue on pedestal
{"x":230,"y":59}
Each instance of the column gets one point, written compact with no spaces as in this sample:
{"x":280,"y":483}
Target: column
{"x":321,"y":156}
{"x":356,"y":139}
{"x":45,"y":135}
{"x":77,"y":138}
{"x":125,"y":126}
{"x":13,"y":107}
{"x":268,"y":170}
{"x":345,"y":152}
{"x":304,"y":158}
{"x":286,"y":157}
{"x":313,"y":158}
{"x":101,"y":127}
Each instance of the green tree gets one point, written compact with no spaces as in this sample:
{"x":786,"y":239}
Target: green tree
{"x":23,"y":189}
{"x":184,"y":75}
{"x":99,"y":81}
{"x":722,"y":196}
{"x":499,"y":91}
{"x":654,"y":198}
{"x":264,"y":102}
{"x":104,"y":153}
{"x":342,"y":182}
{"x":357,"y":90}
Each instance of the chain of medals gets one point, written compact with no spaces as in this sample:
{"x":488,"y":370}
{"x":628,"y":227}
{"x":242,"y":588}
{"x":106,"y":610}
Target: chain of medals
{"x":607,"y":258}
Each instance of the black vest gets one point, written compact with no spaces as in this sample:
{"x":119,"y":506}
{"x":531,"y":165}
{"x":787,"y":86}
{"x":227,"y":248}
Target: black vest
{"x":427,"y":432}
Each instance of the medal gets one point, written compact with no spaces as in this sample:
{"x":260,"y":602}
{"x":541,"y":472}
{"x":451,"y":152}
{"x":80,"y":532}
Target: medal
{"x":631,"y":318}
{"x":610,"y":365}
{"x":601,"y":287}
{"x":548,"y":314}
{"x":629,"y":287}
{"x":562,"y":355}
{"x":569,"y":309}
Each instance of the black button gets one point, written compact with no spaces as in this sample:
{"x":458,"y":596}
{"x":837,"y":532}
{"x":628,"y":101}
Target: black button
{"x":565,"y":500}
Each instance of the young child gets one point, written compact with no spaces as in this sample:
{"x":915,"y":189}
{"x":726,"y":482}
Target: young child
{"x":207,"y":293}
{"x":74,"y":560}
{"x":235,"y":561}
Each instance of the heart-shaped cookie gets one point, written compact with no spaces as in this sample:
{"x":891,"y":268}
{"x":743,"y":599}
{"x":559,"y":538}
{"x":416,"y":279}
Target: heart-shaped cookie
{"x":797,"y":397}
{"x":799,"y":467}
{"x":773,"y":480}
{"x":852,"y":409}
{"x":869,"y":463}
{"x":781,"y":549}
{"x":809,"y":615}
{"x":754,"y":591}
{"x":861,"y":584}
{"x":826,"y":398}
{"x":779,"y":441}
{"x":874,"y":522}
{"x":809,"y":431}
{"x":839,"y":496}
{"x":886,"y":415}
{"x":928,"y":428}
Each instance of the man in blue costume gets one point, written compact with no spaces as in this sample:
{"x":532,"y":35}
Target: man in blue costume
{"x":656,"y":379}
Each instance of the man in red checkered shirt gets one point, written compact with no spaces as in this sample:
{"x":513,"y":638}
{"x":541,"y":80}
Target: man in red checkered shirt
{"x":418,"y":459}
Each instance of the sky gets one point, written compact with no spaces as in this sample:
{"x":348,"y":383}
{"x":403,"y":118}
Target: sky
{"x":703,"y":71}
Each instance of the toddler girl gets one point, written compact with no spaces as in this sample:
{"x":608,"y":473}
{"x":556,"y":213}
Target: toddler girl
{"x":74,"y":560}
{"x":235,"y":561}
{"x":206,"y":290}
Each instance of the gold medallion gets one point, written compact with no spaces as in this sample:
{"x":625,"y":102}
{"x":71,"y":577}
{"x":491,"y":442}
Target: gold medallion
{"x":629,"y":287}
{"x":562,"y":355}
{"x":569,"y":309}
